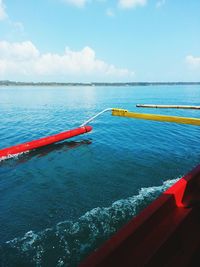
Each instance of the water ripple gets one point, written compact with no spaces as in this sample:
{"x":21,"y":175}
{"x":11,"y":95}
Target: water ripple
{"x":69,"y":242}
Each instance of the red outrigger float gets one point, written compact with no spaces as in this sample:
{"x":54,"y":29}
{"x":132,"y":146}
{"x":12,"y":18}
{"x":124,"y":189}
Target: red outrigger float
{"x":28,"y":146}
{"x":166,"y":233}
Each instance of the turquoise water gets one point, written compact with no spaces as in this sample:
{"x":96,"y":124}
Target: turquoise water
{"x":60,"y":203}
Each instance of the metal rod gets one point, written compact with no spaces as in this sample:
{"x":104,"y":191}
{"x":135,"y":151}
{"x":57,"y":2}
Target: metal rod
{"x":97,"y":115}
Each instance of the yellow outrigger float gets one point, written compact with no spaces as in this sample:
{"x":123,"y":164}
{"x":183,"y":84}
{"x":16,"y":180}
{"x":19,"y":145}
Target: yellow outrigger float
{"x":7,"y":152}
{"x":155,"y":117}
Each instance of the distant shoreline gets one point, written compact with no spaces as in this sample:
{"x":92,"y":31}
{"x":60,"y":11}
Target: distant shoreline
{"x":13,"y":83}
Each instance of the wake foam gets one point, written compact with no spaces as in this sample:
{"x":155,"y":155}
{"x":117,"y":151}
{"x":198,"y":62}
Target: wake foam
{"x":69,"y":242}
{"x":16,"y":156}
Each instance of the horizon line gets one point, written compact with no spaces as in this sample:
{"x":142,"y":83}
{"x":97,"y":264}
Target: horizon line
{"x":9,"y":82}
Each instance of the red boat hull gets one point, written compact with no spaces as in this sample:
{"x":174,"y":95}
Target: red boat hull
{"x":43,"y":141}
{"x":166,"y":233}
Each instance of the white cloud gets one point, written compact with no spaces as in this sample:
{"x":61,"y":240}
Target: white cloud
{"x":132,"y":3}
{"x":82,"y":3}
{"x":193,"y":62}
{"x":14,"y":25}
{"x":125,"y":4}
{"x":24,"y":59}
{"x":160,"y":3}
{"x":78,"y":3}
{"x":18,"y":51}
{"x":122,"y":3}
{"x":3,"y":14}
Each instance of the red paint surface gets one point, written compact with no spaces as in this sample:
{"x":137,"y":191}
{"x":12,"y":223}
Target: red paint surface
{"x":43,"y":141}
{"x":166,"y":233}
{"x":187,"y":190}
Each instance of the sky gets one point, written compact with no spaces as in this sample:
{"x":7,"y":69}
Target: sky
{"x":100,"y":40}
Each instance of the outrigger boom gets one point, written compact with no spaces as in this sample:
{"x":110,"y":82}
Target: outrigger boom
{"x":6,"y":152}
{"x":167,"y":106}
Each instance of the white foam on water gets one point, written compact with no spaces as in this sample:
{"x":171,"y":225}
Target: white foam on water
{"x":69,"y":242}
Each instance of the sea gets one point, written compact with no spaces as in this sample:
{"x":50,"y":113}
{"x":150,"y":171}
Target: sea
{"x":60,"y":203}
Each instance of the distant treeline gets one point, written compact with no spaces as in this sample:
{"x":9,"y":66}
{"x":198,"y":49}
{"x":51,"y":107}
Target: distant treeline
{"x":13,"y":83}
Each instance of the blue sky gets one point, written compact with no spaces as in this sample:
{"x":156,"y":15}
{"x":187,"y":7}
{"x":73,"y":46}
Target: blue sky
{"x":100,"y":40}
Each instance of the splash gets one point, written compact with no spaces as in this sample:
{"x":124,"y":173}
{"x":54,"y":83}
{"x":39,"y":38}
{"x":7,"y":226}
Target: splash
{"x":69,"y":242}
{"x":15,"y":156}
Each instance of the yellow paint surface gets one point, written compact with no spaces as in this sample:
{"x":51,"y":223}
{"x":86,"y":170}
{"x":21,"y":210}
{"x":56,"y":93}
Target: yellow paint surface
{"x":155,"y":117}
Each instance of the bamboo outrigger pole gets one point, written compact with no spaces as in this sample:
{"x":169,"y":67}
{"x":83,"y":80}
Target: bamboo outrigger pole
{"x":167,"y":106}
{"x":155,"y":117}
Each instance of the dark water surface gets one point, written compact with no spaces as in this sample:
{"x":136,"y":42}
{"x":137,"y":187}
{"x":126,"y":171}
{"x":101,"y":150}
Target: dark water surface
{"x":59,"y":203}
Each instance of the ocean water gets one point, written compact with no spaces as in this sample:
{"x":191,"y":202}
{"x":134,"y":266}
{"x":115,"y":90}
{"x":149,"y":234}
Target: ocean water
{"x":60,"y":203}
